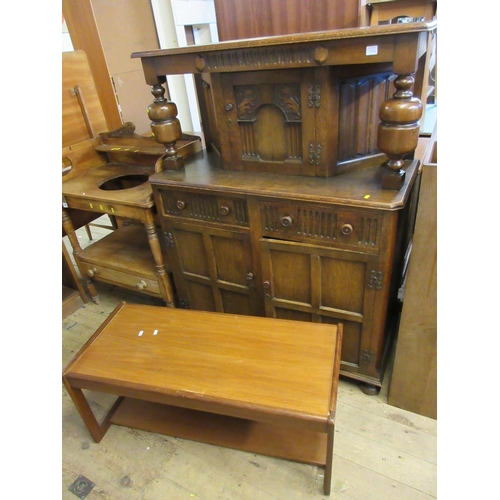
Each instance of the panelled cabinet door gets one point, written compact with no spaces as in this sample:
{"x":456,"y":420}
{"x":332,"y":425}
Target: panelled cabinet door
{"x":309,"y":283}
{"x":213,"y":268}
{"x":270,"y":119}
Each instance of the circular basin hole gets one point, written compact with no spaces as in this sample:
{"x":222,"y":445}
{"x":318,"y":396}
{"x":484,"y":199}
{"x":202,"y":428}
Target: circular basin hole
{"x":124,"y":182}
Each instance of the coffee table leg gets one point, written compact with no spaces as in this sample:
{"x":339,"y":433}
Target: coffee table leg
{"x":327,"y":485}
{"x":96,"y":429}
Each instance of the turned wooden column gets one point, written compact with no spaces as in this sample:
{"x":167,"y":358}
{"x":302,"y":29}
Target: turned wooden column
{"x":166,"y":129}
{"x":166,"y":288}
{"x":399,"y":129}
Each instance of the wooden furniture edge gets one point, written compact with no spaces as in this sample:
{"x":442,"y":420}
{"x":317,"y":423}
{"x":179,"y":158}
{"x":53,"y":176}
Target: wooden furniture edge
{"x":92,"y":339}
{"x":318,"y":36}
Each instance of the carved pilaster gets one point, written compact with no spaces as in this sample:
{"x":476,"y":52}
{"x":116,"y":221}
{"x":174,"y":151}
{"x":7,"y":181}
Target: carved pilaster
{"x":398,"y":130}
{"x":166,"y":129}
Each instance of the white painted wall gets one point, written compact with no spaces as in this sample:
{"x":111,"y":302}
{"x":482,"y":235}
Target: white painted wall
{"x":171,"y":16}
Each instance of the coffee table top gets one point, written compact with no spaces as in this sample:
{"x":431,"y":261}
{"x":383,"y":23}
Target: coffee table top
{"x":266,"y":364}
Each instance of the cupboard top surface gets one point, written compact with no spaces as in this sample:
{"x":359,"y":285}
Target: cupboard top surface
{"x":297,"y":38}
{"x":360,"y":189}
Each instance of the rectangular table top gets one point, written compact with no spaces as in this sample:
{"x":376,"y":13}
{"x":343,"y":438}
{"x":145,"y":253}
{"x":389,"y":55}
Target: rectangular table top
{"x":266,"y":364}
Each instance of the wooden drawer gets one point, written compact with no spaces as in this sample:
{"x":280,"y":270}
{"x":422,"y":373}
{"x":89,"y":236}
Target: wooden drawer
{"x":101,"y":207}
{"x":341,"y":227}
{"x":101,"y":273}
{"x":212,"y":208}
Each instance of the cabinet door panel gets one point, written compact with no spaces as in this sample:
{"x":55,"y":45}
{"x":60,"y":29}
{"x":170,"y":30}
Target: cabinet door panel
{"x":343,"y":284}
{"x":233,"y":259}
{"x":213,"y":268}
{"x":193,"y":258}
{"x":290,"y":268}
{"x":311,"y":283}
{"x":199,"y":296}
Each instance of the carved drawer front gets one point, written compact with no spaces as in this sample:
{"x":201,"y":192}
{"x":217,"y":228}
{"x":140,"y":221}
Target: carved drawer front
{"x":212,"y":208}
{"x":339,"y":227}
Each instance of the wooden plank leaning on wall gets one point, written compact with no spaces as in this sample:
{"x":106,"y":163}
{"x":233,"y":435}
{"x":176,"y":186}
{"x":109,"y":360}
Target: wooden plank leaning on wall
{"x":84,"y":34}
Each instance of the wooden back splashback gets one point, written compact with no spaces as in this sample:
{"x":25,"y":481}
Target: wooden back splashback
{"x":82,"y":114}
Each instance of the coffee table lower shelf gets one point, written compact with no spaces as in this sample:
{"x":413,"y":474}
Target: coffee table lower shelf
{"x":277,"y":441}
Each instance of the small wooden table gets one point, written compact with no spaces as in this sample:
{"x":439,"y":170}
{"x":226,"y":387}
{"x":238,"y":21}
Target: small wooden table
{"x":237,"y":381}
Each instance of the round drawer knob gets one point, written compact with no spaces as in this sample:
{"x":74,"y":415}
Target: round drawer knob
{"x":346,"y":229}
{"x":229,"y":106}
{"x":181,"y":205}
{"x":224,"y":210}
{"x":267,"y":284}
{"x":141,"y":285}
{"x":286,"y":221}
{"x":91,"y":272}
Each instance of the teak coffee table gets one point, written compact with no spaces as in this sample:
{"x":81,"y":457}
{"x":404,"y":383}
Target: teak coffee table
{"x":262,"y":385}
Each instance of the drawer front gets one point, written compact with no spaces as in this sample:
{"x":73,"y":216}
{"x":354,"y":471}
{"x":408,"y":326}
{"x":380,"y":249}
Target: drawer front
{"x":212,"y":208}
{"x":341,"y":227}
{"x":104,"y":208}
{"x":140,"y":283}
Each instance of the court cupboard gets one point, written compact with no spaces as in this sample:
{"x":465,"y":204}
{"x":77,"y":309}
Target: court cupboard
{"x":301,"y":206}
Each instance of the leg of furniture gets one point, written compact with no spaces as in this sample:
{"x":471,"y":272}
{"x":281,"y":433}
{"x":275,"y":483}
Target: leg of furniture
{"x":327,"y":485}
{"x":96,"y":429}
{"x":164,"y":282}
{"x":77,"y":251}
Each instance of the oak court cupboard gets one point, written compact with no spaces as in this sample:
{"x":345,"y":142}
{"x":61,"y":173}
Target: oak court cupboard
{"x":300,"y":206}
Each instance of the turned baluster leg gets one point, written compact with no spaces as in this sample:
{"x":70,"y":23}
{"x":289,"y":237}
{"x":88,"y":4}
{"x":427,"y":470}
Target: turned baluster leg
{"x":166,"y":288}
{"x":77,"y":251}
{"x":166,"y":129}
{"x":399,"y":129}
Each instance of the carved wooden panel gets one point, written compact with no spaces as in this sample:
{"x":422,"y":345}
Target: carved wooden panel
{"x":359,"y":103}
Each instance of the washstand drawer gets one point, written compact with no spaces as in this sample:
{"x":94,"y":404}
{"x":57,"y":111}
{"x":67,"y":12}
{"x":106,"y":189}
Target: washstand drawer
{"x":330,"y":225}
{"x":100,"y":273}
{"x":101,"y":207}
{"x":212,"y":208}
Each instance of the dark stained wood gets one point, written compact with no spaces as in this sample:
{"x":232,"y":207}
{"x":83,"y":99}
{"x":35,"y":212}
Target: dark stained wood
{"x":318,"y":250}
{"x":272,"y":98}
{"x":256,"y":369}
{"x":238,"y":19}
{"x":307,"y":185}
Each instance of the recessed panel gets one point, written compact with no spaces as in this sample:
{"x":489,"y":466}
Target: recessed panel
{"x":351,"y":339}
{"x":192,"y":254}
{"x":291,"y":276}
{"x":232,"y":258}
{"x":342,"y":284}
{"x":201,"y":297}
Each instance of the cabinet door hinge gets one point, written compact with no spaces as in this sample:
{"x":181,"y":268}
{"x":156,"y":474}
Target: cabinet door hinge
{"x":368,"y":357}
{"x":376,"y":280}
{"x":169,"y":239}
{"x":314,"y":96}
{"x":314,"y":154}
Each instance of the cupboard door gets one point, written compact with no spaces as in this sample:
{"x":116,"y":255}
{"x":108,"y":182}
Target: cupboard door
{"x":310,"y":283}
{"x":213,"y":268}
{"x":269,"y":119}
